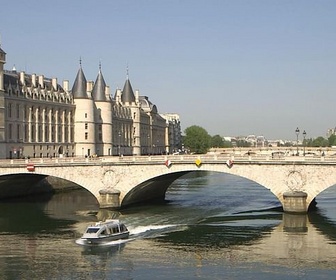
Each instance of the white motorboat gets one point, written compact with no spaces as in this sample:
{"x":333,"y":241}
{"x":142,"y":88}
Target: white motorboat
{"x":103,"y":232}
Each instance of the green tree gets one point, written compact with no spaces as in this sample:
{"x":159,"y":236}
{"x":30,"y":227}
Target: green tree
{"x":197,"y":139}
{"x":332,"y":140}
{"x":227,"y":144}
{"x":217,"y":141}
{"x":243,"y":143}
{"x":320,"y":142}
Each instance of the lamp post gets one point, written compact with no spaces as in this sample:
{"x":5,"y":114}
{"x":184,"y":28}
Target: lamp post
{"x":304,"y":142}
{"x":148,"y":145}
{"x":297,"y":131}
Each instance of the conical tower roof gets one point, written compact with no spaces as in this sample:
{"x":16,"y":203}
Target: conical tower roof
{"x":98,"y":92}
{"x":79,"y":88}
{"x":127,"y":93}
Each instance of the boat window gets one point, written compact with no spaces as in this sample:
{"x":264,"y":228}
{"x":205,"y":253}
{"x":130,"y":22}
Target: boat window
{"x":103,"y":232}
{"x":115,"y":230}
{"x":92,"y":230}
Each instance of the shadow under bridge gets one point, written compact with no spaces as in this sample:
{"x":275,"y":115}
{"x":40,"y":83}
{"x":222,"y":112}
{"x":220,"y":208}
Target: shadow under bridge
{"x":151,"y":190}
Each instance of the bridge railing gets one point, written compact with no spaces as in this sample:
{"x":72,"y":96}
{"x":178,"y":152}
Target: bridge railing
{"x":174,"y":158}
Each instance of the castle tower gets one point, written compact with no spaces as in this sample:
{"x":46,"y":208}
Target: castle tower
{"x":101,"y":97}
{"x":84,"y":123}
{"x":128,"y":99}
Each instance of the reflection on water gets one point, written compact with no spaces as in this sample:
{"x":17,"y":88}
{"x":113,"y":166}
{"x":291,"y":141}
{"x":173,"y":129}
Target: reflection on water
{"x":212,"y":225}
{"x":108,"y":250}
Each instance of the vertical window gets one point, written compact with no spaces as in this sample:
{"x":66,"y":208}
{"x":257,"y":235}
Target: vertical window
{"x":86,"y":126}
{"x":72,"y":133}
{"x":9,"y":110}
{"x":86,"y":135}
{"x":26,"y":133}
{"x":10,"y":130}
{"x":59,"y":136}
{"x":18,"y":133}
{"x":46,"y":133}
{"x":66,"y":132}
{"x":40,"y":133}
{"x":17,"y":111}
{"x":25,"y":112}
{"x":33,"y":133}
{"x":52,"y":134}
{"x":85,"y":115}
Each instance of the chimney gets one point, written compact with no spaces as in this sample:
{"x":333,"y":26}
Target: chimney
{"x":41,"y":81}
{"x":54,"y":83}
{"x":33,"y":77}
{"x":22,"y":78}
{"x":66,"y":85}
{"x":118,"y":96}
{"x":89,"y":86}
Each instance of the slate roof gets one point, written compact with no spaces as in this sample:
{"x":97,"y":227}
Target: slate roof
{"x":79,"y":88}
{"x":98,"y":92}
{"x":127,"y":93}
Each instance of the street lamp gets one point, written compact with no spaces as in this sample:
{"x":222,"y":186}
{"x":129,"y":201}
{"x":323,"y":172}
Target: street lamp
{"x":304,"y":142}
{"x":297,"y":131}
{"x":148,"y":143}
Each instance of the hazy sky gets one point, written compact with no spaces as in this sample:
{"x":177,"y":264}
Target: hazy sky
{"x":233,"y":67}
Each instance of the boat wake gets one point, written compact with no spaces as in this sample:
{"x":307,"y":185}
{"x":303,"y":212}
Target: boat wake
{"x":152,"y":231}
{"x":139,"y":232}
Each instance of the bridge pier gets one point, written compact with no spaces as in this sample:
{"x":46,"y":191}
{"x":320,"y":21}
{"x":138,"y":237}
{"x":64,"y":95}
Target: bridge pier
{"x":295,"y":202}
{"x":109,"y":199}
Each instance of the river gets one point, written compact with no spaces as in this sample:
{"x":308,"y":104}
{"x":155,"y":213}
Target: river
{"x":212,"y":226}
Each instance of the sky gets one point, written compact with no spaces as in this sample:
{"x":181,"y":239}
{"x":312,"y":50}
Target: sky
{"x":238,"y":67}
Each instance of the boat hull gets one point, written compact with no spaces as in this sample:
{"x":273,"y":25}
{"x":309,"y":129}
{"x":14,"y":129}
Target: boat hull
{"x":105,"y":239}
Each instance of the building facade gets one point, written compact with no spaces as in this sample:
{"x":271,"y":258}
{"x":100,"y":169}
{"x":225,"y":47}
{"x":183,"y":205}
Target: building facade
{"x":173,"y":133}
{"x":41,"y":118}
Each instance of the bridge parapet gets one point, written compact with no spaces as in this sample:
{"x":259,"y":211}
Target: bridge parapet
{"x":176,"y":158}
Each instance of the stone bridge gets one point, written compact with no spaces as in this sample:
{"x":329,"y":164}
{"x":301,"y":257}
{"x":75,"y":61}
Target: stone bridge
{"x":119,"y":182}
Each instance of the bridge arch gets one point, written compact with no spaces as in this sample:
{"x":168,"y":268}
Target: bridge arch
{"x":18,"y":184}
{"x":151,"y":189}
{"x":155,"y":188}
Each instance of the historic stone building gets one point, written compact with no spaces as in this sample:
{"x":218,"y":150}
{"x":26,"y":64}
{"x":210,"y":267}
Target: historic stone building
{"x":41,"y":118}
{"x":173,"y":132}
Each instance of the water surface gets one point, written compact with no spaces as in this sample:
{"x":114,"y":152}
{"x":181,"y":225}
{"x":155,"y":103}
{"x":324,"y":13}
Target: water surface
{"x":213,"y":226}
